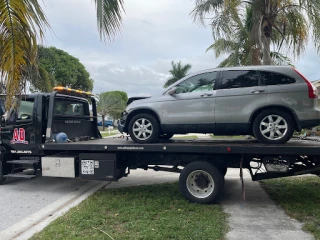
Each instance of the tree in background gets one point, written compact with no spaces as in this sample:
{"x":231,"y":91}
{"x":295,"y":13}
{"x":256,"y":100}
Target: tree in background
{"x":177,"y":72}
{"x":237,"y":45}
{"x":283,"y":24}
{"x":57,"y":67}
{"x":111,"y":103}
{"x":22,"y":22}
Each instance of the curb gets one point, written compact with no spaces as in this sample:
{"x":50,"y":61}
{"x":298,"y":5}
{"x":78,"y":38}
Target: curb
{"x":34,"y":223}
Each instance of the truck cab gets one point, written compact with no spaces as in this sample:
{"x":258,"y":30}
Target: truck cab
{"x":39,"y":117}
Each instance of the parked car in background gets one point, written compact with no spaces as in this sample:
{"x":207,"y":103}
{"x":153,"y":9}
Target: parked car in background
{"x":107,"y":121}
{"x":268,"y":102}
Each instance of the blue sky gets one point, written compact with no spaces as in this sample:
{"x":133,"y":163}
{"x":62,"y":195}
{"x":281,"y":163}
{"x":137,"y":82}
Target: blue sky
{"x":154,"y":33}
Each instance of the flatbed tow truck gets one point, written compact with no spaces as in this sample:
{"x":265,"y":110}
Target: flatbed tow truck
{"x":29,"y":139}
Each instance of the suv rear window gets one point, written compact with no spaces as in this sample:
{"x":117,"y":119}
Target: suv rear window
{"x":239,"y":79}
{"x":272,"y":78}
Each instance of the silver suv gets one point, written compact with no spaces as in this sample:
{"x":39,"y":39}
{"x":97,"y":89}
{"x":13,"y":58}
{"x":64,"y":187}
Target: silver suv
{"x":268,"y":102}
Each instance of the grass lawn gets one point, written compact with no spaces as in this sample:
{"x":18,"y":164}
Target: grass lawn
{"x":228,"y":137}
{"x":300,"y":198}
{"x":143,"y":212}
{"x":186,"y":137}
{"x":106,"y":134}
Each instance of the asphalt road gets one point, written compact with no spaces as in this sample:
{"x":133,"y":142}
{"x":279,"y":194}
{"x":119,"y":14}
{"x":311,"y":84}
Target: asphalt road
{"x":20,"y":198}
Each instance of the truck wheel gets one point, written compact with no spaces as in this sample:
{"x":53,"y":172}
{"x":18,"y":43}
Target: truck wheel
{"x":2,"y":179}
{"x":201,"y":182}
{"x":273,"y":126}
{"x":144,"y":128}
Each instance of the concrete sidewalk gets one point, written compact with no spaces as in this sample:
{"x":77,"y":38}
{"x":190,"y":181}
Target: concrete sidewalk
{"x":258,"y":217}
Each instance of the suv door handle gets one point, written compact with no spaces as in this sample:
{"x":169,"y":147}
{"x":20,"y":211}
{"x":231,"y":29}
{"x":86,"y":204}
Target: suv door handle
{"x":257,"y":91}
{"x":206,"y":94}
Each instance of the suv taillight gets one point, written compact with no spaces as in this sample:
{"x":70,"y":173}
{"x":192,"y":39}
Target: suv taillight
{"x":313,"y":93}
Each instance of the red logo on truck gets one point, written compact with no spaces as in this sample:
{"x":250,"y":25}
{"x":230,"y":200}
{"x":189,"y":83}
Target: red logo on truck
{"x":19,"y":136}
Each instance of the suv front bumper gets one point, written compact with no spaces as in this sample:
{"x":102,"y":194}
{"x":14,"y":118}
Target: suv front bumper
{"x":122,"y":122}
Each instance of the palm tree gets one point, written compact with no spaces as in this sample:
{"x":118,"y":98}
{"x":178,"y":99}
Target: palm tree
{"x":237,"y":45}
{"x":283,"y":24}
{"x":22,"y":23}
{"x":177,"y":72}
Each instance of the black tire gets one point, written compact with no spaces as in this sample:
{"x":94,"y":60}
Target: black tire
{"x":166,"y":136}
{"x":154,"y":128}
{"x":201,"y":171}
{"x":2,"y":179}
{"x":280,"y":140}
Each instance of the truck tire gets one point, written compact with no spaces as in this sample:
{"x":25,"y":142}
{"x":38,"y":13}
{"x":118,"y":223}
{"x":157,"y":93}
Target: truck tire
{"x":201,"y":182}
{"x":2,"y":179}
{"x":144,"y":128}
{"x":273,"y":126}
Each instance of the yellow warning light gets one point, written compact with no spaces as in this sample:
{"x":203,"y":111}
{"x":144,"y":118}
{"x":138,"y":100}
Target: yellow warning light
{"x":70,"y":90}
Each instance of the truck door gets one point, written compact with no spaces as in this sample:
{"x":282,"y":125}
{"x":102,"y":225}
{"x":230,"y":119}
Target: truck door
{"x":20,"y":124}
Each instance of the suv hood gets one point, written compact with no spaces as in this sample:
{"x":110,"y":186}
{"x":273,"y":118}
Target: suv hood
{"x":130,"y":100}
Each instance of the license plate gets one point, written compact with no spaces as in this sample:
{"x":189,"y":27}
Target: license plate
{"x":87,"y":167}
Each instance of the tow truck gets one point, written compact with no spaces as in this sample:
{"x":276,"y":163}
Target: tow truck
{"x":29,"y":140}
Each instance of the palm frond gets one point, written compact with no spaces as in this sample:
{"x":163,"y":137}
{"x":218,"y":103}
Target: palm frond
{"x":21,"y":23}
{"x":177,"y":72}
{"x":109,"y":18}
{"x":205,"y":7}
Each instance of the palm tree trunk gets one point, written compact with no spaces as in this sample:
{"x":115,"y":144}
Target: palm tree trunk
{"x":255,"y":36}
{"x":255,"y":44}
{"x":266,"y":28}
{"x":266,"y":51}
{"x":103,"y":128}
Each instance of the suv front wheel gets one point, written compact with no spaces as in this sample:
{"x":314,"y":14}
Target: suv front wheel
{"x":144,"y":128}
{"x":273,"y":126}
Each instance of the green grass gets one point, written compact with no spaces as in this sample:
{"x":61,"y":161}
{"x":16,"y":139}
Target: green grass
{"x":228,"y":137}
{"x":300,"y":198}
{"x":144,"y":212}
{"x":186,"y":137}
{"x":107,"y":134}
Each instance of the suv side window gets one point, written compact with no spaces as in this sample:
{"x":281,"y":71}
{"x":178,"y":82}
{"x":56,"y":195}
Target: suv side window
{"x":199,"y":83}
{"x":239,"y":79}
{"x":272,"y":78}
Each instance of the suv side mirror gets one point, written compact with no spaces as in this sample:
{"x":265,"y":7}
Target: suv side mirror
{"x":172,"y":91}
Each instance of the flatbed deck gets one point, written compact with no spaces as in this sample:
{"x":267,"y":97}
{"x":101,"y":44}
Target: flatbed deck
{"x":293,"y":147}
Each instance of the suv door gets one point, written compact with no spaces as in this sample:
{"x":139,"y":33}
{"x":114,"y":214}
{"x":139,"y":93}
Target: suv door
{"x":239,"y":94}
{"x":191,"y":108}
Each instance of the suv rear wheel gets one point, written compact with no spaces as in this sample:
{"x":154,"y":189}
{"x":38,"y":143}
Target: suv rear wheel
{"x":144,"y":128}
{"x":273,"y":126}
